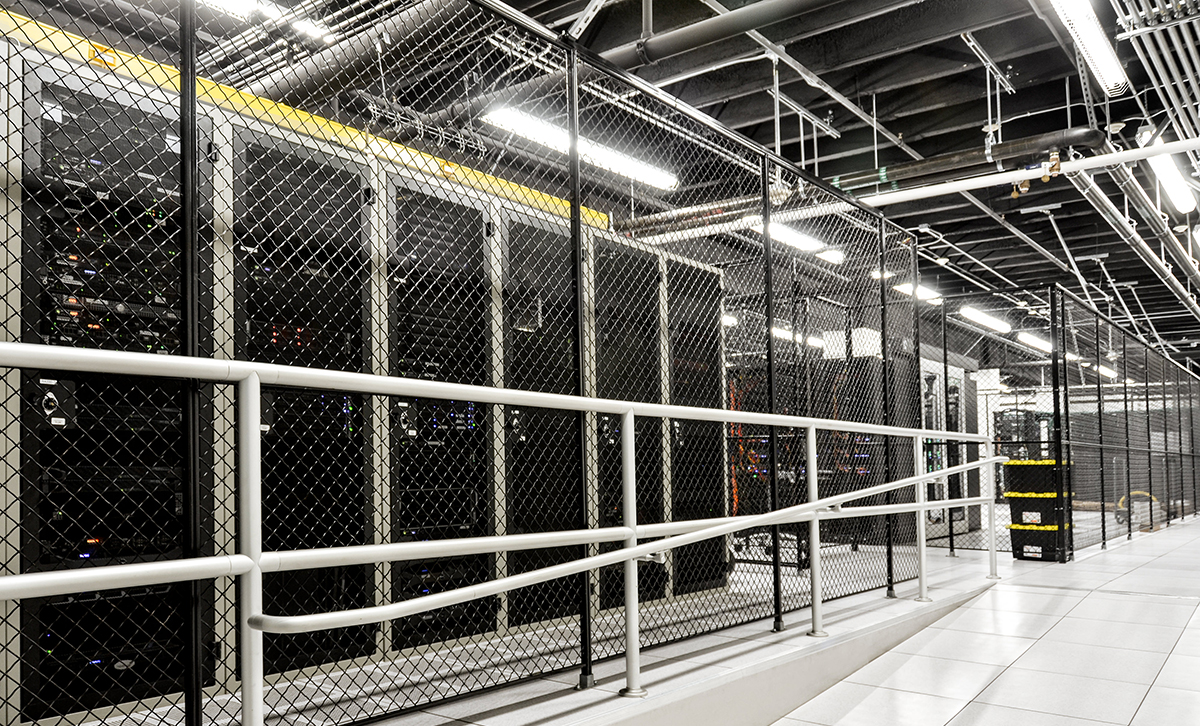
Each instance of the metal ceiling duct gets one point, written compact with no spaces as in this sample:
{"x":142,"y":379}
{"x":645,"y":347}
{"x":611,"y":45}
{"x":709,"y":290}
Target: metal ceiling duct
{"x":341,"y":63}
{"x":1104,"y":206}
{"x":887,"y":176}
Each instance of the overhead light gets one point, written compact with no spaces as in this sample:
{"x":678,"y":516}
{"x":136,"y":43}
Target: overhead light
{"x":933,"y":297}
{"x":833,"y":257}
{"x":942,"y":261}
{"x":816,"y":342}
{"x":1034,"y":342}
{"x":558,"y":139}
{"x":1022,"y":304}
{"x":1130,"y":381}
{"x":877,"y":275}
{"x":728,"y":321}
{"x":1168,"y":175}
{"x":790,"y":237}
{"x":246,"y":10}
{"x":1092,"y":42}
{"x":983,"y":318}
{"x":782,"y":333}
{"x":1041,"y":208}
{"x":1106,"y":371}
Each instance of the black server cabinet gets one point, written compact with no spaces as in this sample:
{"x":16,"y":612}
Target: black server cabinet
{"x":103,"y":458}
{"x":440,"y":310}
{"x":301,"y":295}
{"x":543,"y":456}
{"x":628,"y":344}
{"x":697,"y":447}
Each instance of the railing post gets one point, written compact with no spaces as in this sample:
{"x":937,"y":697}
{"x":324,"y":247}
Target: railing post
{"x":918,"y":469}
{"x":633,"y":654}
{"x":992,"y":574}
{"x":814,"y":534}
{"x":250,"y":640}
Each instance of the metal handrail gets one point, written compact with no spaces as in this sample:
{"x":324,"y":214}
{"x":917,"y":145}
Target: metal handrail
{"x":251,"y":561}
{"x":377,"y":614}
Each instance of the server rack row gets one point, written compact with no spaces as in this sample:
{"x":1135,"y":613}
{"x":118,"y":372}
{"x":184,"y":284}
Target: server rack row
{"x":319,"y":255}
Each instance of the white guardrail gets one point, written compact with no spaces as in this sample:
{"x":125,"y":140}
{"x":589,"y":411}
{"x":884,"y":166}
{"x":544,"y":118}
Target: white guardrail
{"x":252,"y":562}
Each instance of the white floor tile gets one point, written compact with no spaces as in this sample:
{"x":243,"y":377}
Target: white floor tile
{"x":1063,"y":695}
{"x":1093,"y":661}
{"x":1026,"y":602}
{"x":1021,"y":625}
{"x":932,"y":676}
{"x":1131,"y":609}
{"x":985,"y":714}
{"x":1182,"y":672}
{"x":1168,"y":707}
{"x":851,"y":704}
{"x":985,"y":648}
{"x":1131,"y":636}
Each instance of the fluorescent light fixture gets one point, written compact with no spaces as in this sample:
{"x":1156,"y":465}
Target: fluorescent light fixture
{"x":877,"y":275}
{"x":786,"y":334}
{"x":790,"y":237}
{"x":1130,"y":381}
{"x":558,"y":139}
{"x":1166,"y":171}
{"x":816,"y":342}
{"x":1034,"y":342}
{"x":729,"y":321}
{"x":782,"y":333}
{"x":1092,"y":42}
{"x":942,"y":261}
{"x":1106,"y":371}
{"x":984,"y":319}
{"x":833,"y":257}
{"x":933,"y":297}
{"x":1072,"y":357}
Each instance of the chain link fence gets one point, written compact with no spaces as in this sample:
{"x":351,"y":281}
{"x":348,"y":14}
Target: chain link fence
{"x":439,"y":191}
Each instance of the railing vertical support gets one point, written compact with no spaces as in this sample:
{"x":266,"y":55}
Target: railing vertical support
{"x":250,"y":640}
{"x":992,"y":572}
{"x":633,"y":653}
{"x":918,"y":469}
{"x":814,"y":534}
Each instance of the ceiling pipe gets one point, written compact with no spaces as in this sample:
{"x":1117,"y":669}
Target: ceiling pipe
{"x":722,"y":27}
{"x":344,"y":61}
{"x":1145,"y":206}
{"x":1020,"y":175}
{"x":1116,"y":219}
{"x":1079,"y":137}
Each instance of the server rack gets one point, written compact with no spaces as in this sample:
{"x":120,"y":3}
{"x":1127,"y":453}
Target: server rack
{"x":629,"y":349}
{"x":440,"y":304}
{"x":697,"y":448}
{"x":301,"y":297}
{"x":102,"y":459}
{"x":543,"y":448}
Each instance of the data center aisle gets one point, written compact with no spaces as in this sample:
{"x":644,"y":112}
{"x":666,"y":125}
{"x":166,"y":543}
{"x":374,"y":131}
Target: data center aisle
{"x":1111,"y":638}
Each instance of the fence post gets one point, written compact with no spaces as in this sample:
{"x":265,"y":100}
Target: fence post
{"x":946,"y":446}
{"x":888,"y":408}
{"x":250,"y":640}
{"x":772,"y":402}
{"x":1128,"y":450}
{"x":633,"y":654}
{"x":1100,"y":436}
{"x":586,"y":678}
{"x":919,"y":469}
{"x":814,"y":534}
{"x":1057,"y":386}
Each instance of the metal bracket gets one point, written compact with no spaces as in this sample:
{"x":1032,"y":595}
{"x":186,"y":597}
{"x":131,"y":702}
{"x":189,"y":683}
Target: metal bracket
{"x":656,"y":557}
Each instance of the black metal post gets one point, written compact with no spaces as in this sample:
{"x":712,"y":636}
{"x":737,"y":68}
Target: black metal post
{"x":1179,"y":434}
{"x":950,"y":461}
{"x":1057,"y":433}
{"x":1128,"y":451}
{"x":772,"y":404}
{"x":889,"y":498}
{"x":1149,"y":439}
{"x":1100,"y":436}
{"x":586,"y":678}
{"x":189,"y":143}
{"x":1068,"y":443}
{"x":915,"y":271}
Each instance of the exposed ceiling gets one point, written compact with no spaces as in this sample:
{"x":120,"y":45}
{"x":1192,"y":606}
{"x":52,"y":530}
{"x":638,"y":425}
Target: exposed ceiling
{"x":907,"y":64}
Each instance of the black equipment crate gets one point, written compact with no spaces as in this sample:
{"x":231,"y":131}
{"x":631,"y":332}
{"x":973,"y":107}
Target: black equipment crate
{"x":1034,"y":544}
{"x":1033,"y":510}
{"x":1030,"y":476}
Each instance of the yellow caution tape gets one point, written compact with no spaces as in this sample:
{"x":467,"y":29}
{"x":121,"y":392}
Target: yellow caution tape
{"x":1030,"y":462}
{"x":1032,"y":495}
{"x":1037,"y":527}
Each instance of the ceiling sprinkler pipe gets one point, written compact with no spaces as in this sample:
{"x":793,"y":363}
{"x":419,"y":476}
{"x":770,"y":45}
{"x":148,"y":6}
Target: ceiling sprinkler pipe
{"x":1079,"y":137}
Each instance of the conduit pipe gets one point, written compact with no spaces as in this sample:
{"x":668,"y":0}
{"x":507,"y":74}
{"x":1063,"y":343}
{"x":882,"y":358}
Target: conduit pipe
{"x":1020,"y":175}
{"x":722,"y":27}
{"x":340,"y":63}
{"x":1142,"y":202}
{"x":1104,"y":206}
{"x":1079,"y":137}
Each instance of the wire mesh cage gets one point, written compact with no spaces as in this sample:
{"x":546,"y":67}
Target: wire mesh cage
{"x":444,"y":192}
